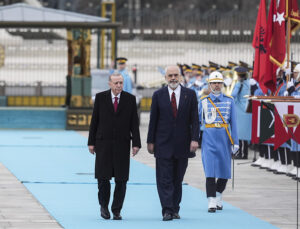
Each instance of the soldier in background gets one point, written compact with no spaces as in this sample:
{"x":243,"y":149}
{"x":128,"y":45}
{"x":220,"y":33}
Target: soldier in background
{"x":242,"y":88}
{"x":187,"y":73}
{"x":199,"y":84}
{"x":294,"y":85}
{"x":206,"y":73}
{"x":193,"y":75}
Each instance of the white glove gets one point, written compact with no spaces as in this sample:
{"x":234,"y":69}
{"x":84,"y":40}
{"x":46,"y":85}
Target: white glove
{"x":199,"y":83}
{"x":289,"y":84}
{"x":252,"y":81}
{"x":288,"y":71}
{"x":228,"y":82}
{"x":285,"y":93}
{"x":235,"y":149}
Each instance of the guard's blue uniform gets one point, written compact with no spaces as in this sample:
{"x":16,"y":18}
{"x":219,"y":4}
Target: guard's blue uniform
{"x":295,"y":146}
{"x":281,"y":88}
{"x":198,"y":89}
{"x":190,"y":82}
{"x":244,"y":119}
{"x":127,"y":84}
{"x":216,"y":146}
{"x":205,"y":78}
{"x":259,"y":92}
{"x":297,"y":91}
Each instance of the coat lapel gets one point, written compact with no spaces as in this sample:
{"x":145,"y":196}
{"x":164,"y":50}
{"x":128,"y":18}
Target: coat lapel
{"x":182,"y":100}
{"x":167,"y":101}
{"x":109,"y":101}
{"x":122,"y":103}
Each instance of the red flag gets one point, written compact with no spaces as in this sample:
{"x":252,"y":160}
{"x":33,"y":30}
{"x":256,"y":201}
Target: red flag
{"x":275,"y":43}
{"x":258,"y":45}
{"x":281,"y":134}
{"x":278,"y":50}
{"x":256,"y":123}
{"x":292,"y":11}
{"x":287,"y":122}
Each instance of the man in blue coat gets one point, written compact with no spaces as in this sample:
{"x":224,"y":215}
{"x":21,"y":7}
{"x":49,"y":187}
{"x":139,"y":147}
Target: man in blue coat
{"x":173,"y":138}
{"x":244,"y":119}
{"x":219,"y":139}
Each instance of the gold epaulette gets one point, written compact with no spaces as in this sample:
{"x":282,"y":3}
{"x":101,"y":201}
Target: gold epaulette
{"x":203,"y":97}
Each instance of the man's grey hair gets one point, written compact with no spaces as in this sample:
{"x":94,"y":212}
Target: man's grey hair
{"x":115,"y":73}
{"x":172,"y":66}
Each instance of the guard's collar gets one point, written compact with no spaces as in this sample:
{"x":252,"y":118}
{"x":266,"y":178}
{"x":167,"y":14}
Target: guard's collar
{"x":213,"y":97}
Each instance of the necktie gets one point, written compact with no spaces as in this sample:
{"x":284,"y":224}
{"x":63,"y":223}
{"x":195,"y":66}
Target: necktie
{"x":116,"y":104}
{"x":174,"y":106}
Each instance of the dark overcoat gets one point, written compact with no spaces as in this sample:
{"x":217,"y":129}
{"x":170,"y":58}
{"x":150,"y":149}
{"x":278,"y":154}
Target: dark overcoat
{"x":111,"y":133}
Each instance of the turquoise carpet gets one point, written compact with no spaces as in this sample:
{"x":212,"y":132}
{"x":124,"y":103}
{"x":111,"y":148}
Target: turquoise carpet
{"x":56,"y":167}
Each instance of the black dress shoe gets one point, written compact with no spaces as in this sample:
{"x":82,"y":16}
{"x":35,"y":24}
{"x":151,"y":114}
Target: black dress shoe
{"x":212,"y":210}
{"x":219,"y":207}
{"x":105,"y":213}
{"x":167,"y":217}
{"x":117,"y":216}
{"x":176,"y":216}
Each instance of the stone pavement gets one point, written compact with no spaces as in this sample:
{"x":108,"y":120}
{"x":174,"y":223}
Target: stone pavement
{"x":267,"y":196}
{"x":18,"y":208}
{"x":263,"y":194}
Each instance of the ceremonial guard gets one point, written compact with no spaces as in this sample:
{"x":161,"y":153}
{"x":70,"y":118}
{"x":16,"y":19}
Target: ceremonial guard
{"x":281,"y":82}
{"x":278,"y":161}
{"x":193,"y":75}
{"x":206,"y":72}
{"x":293,"y":89}
{"x":242,"y":88}
{"x":187,"y":70}
{"x":294,"y":85}
{"x":198,"y":84}
{"x":266,"y":152}
{"x":283,"y":156}
{"x":219,"y":141}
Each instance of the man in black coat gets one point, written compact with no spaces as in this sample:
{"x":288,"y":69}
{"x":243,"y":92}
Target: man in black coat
{"x":114,"y":124}
{"x":173,"y":137}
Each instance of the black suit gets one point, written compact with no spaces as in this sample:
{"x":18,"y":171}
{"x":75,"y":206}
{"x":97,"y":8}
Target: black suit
{"x":171,"y":138}
{"x":111,"y":133}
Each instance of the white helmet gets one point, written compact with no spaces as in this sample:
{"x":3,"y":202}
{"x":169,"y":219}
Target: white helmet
{"x":278,"y":70}
{"x":297,"y":68}
{"x":215,"y":77}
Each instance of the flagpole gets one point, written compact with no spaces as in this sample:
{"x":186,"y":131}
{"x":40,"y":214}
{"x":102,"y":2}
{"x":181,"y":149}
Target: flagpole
{"x":233,"y":173}
{"x":288,"y":47}
{"x":297,"y":159}
{"x":287,"y":80}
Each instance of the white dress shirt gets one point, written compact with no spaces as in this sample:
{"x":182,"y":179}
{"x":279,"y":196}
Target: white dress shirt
{"x":113,"y":97}
{"x":177,"y":94}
